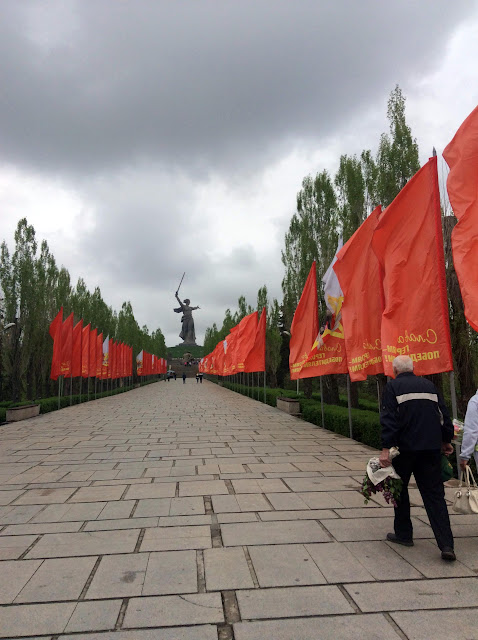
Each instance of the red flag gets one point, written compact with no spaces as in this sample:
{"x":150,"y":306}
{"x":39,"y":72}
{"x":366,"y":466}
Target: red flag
{"x":99,"y":356}
{"x":358,"y":271}
{"x":140,"y":363}
{"x":113,"y":359}
{"x":85,"y":351}
{"x":66,"y":346}
{"x":92,"y":354}
{"x":256,"y":359}
{"x":462,"y":158}
{"x":76,"y":351}
{"x":409,"y":246}
{"x":305,"y":325}
{"x":246,"y":336}
{"x":55,"y":332}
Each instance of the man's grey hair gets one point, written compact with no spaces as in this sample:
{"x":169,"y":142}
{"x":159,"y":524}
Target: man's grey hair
{"x":402,"y":364}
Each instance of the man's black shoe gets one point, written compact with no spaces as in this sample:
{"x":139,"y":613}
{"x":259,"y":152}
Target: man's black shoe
{"x":448,"y":554}
{"x":391,"y":537}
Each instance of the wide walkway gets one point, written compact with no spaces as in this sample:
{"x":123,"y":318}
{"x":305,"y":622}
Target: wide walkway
{"x":188,"y":512}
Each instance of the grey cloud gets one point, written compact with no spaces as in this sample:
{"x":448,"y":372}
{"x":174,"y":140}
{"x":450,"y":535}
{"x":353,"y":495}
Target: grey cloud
{"x":198,"y":84}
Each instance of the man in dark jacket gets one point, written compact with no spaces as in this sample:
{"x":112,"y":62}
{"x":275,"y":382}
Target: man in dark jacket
{"x":414,"y":418}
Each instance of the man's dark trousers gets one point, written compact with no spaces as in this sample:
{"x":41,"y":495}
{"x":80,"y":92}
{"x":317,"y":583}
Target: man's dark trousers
{"x":426,"y":467}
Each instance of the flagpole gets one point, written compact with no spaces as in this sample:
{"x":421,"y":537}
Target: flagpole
{"x":59,"y":390}
{"x":454,"y":413}
{"x":81,"y":386}
{"x":88,"y":388}
{"x":321,"y":401}
{"x":71,"y":388}
{"x":349,"y":402}
{"x":265,"y":387}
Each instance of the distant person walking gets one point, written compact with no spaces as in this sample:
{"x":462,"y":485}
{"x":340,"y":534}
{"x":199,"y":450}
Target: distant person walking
{"x":184,"y":378}
{"x":197,"y":378}
{"x":200,"y":377}
{"x":414,"y":418}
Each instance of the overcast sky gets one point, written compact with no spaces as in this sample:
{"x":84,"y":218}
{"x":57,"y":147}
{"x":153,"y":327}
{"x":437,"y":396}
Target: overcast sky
{"x":145,"y":138}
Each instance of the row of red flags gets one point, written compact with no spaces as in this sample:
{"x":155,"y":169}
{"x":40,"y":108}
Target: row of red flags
{"x":80,"y":351}
{"x":392,"y":297}
{"x":243,"y":350}
{"x":148,"y":364}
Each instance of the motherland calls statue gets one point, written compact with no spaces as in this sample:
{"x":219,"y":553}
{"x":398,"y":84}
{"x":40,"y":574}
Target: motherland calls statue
{"x":187,"y":332}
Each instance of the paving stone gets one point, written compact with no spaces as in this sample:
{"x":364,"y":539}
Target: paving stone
{"x":259,"y":486}
{"x":320,"y":500}
{"x":6,"y":497}
{"x":15,"y":575}
{"x":94,"y":616}
{"x":312,"y":514}
{"x":47,"y":527}
{"x":286,"y":501}
{"x":57,"y":579}
{"x":70,"y":512}
{"x":175,"y":521}
{"x":18,"y":515}
{"x":452,"y":593}
{"x":226,"y":569}
{"x":382,"y":561}
{"x":225,"y":504}
{"x":291,"y":602}
{"x":119,"y":576}
{"x":62,"y":545}
{"x":152,"y":507}
{"x":12,"y":547}
{"x":124,"y":523}
{"x":171,"y":572}
{"x":98,"y":494}
{"x":176,"y":538}
{"x":200,"y":632}
{"x":25,"y":620}
{"x":345,"y":627}
{"x":425,"y":556}
{"x":259,"y":533}
{"x":187,"y":506}
{"x":168,"y":611}
{"x":284,"y":565}
{"x":334,"y":485}
{"x":439,"y":625}
{"x":252,"y":502}
{"x":203,"y":488}
{"x":355,"y":530}
{"x":117,"y":510}
{"x":157,"y":490}
{"x":337,"y":563}
{"x":45,"y":496}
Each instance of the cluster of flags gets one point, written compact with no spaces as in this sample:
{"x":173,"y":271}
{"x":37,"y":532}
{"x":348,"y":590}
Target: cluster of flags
{"x":385,"y":289}
{"x":148,"y":364}
{"x":243,"y":350}
{"x":80,"y":351}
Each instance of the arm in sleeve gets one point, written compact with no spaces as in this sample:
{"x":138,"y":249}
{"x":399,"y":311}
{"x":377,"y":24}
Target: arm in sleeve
{"x":470,"y":431}
{"x":389,"y":418}
{"x":447,"y":430}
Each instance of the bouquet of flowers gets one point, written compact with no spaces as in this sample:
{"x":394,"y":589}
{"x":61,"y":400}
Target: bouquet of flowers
{"x":382,"y":480}
{"x":458,"y":428}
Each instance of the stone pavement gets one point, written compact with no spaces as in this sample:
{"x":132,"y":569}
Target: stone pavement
{"x":189,"y":512}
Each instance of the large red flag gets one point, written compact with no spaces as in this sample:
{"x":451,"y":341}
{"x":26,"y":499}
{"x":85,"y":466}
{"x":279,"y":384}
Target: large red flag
{"x":409,"y":246}
{"x":92,"y":355}
{"x":256,"y":359}
{"x":85,"y":351}
{"x":99,"y":356}
{"x":462,"y":184}
{"x":55,"y":332}
{"x":76,"y":351}
{"x":113,"y":358}
{"x":358,"y":271}
{"x":66,"y":346}
{"x":305,"y":325}
{"x":246,"y":336}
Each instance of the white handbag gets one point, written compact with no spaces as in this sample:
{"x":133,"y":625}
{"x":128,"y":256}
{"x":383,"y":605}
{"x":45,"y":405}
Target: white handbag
{"x":466,"y":497}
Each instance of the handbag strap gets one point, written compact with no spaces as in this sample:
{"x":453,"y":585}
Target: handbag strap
{"x":469,"y":474}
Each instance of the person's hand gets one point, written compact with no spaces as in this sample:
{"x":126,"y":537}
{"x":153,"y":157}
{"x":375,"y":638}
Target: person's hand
{"x":447,"y":448}
{"x":384,"y":458}
{"x":463,"y":464}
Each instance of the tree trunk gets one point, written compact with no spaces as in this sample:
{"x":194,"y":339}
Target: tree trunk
{"x":331,"y":389}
